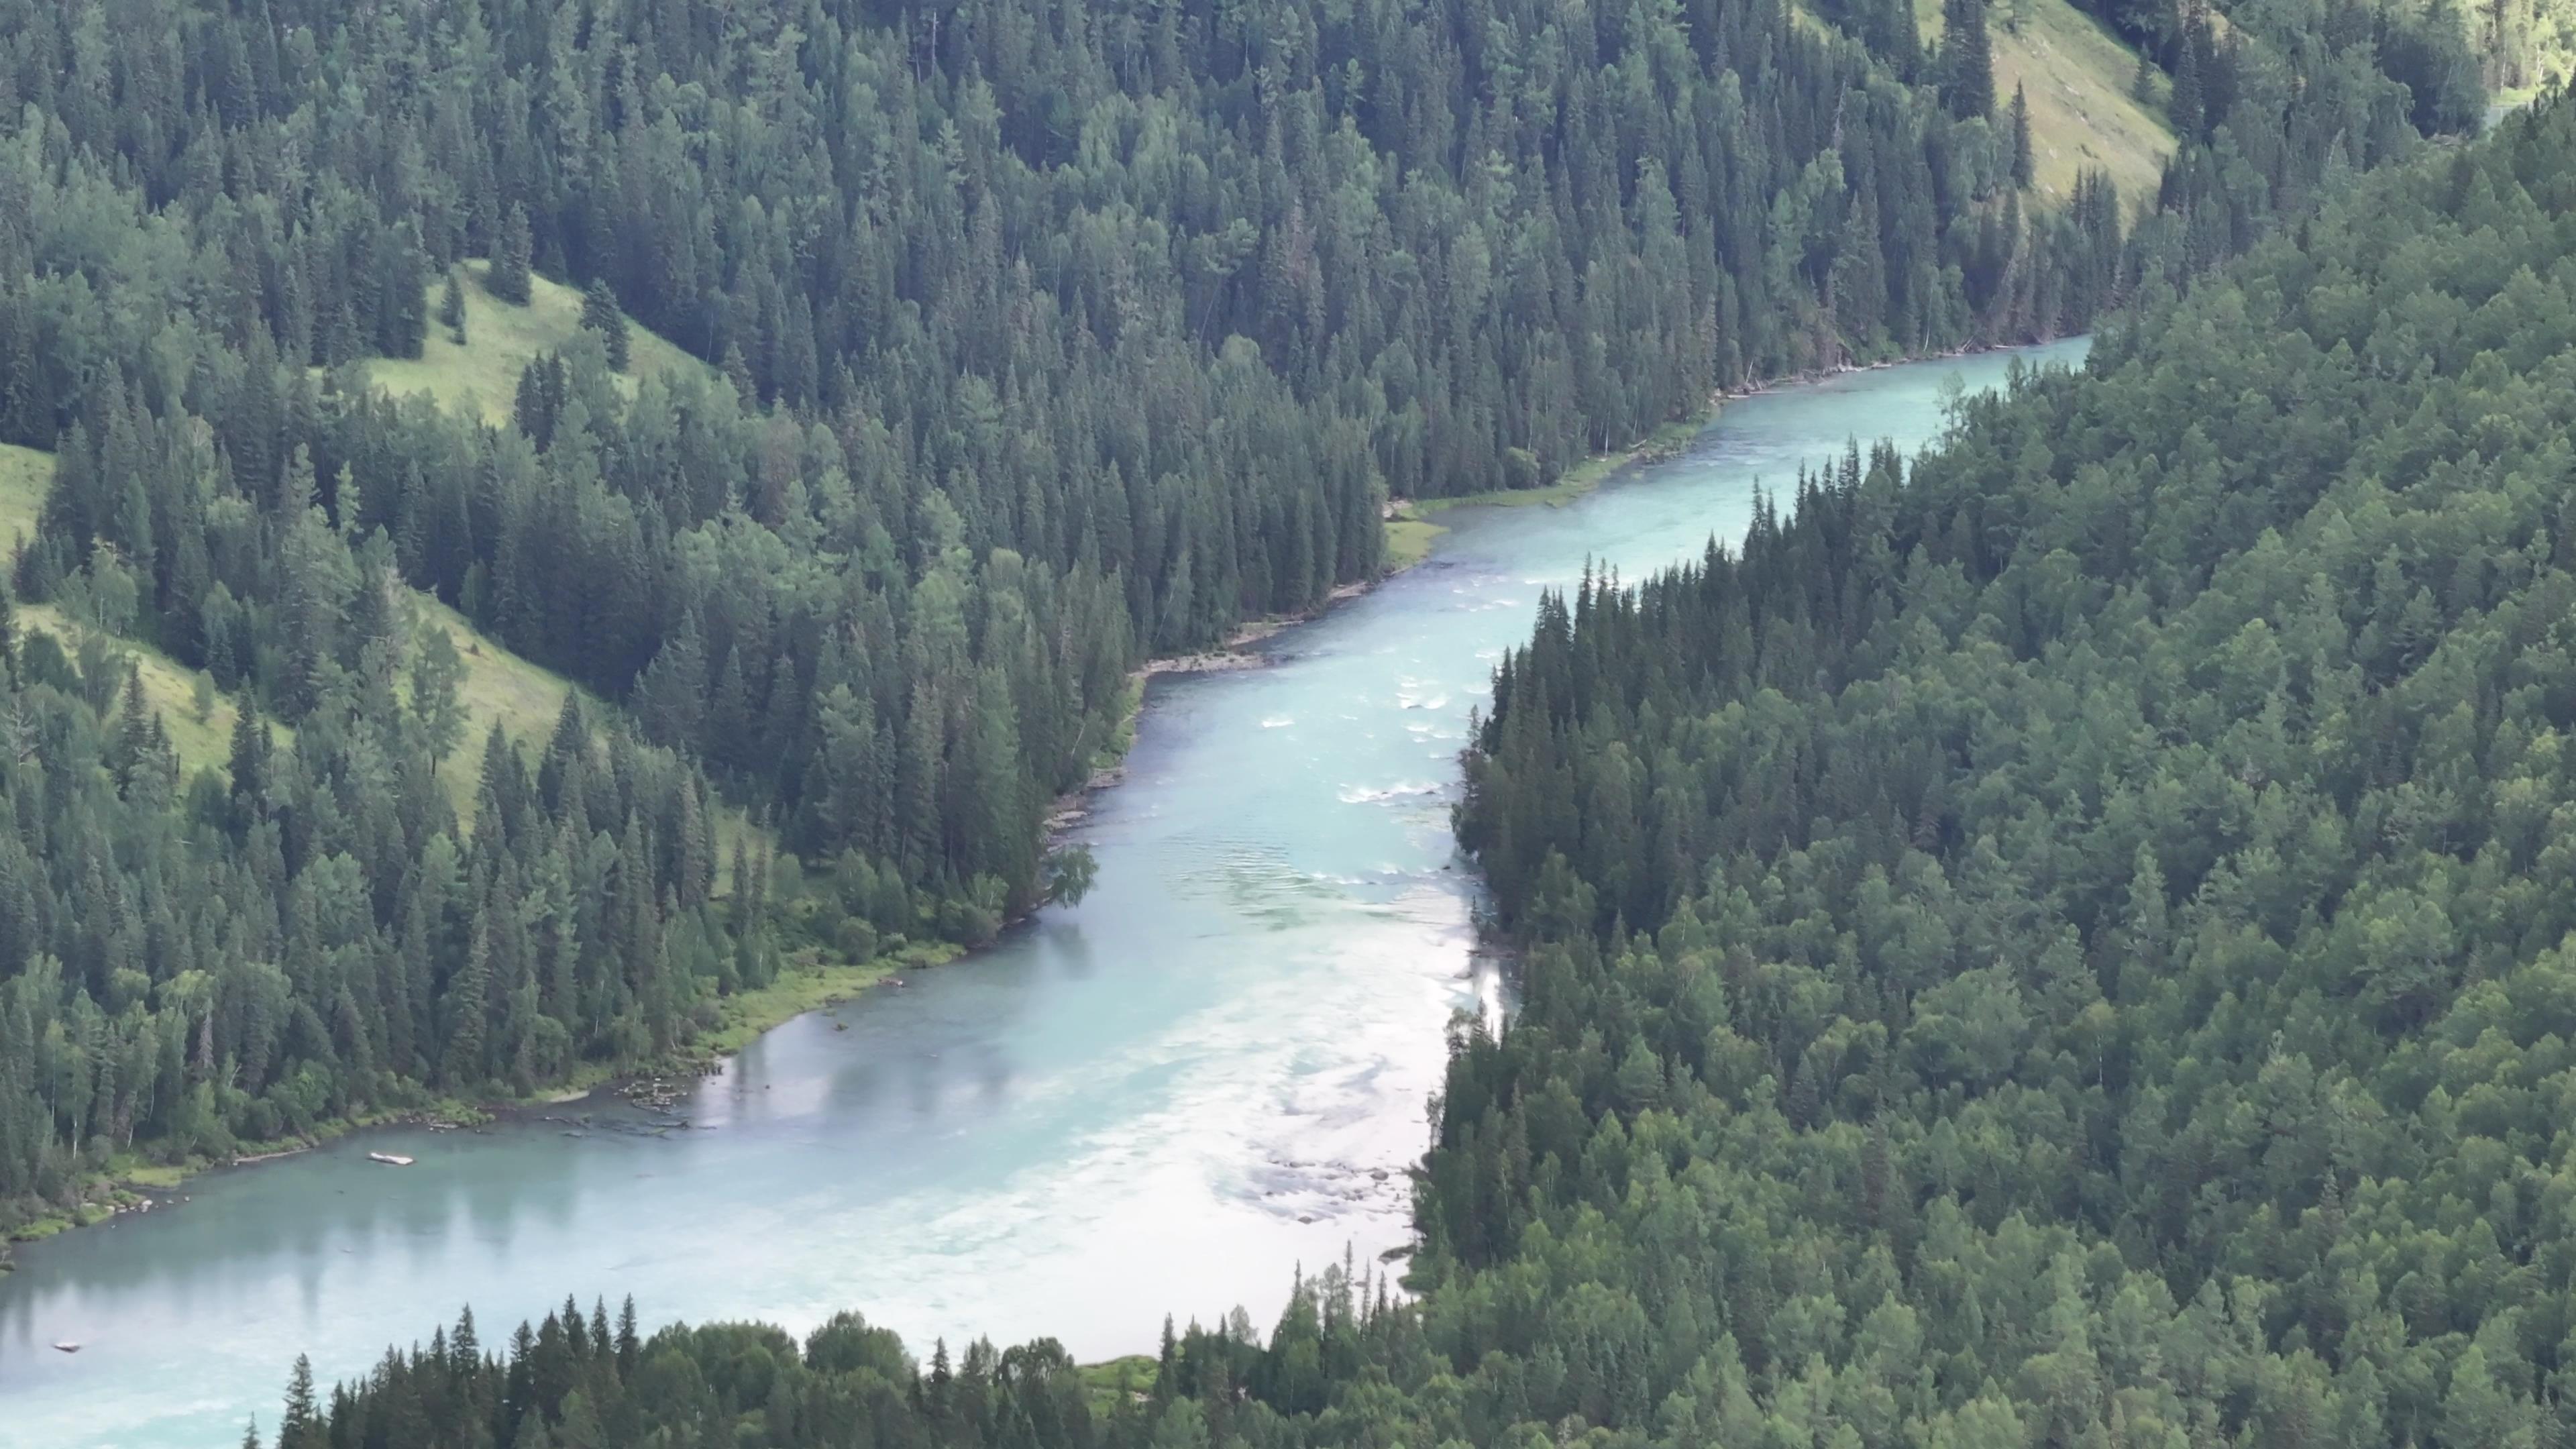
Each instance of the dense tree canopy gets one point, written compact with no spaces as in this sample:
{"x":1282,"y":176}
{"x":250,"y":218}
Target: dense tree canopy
{"x":1038,"y":340}
{"x":2059,"y":942}
{"x":248,"y":954}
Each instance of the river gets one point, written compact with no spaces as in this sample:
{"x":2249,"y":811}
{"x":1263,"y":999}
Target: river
{"x":1212,"y":1071}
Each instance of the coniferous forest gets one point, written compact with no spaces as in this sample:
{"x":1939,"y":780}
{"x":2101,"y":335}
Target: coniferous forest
{"x":2051,"y":943}
{"x":2058,"y":942}
{"x":1036,"y":341}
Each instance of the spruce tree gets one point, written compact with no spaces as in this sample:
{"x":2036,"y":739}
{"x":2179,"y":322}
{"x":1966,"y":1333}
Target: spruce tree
{"x":599,"y":314}
{"x":1968,"y":60}
{"x":2185,"y":109}
{"x":2022,"y":168}
{"x":738,"y":372}
{"x":512,"y":258}
{"x":451,"y":309}
{"x":437,"y":672}
{"x":301,"y":1428}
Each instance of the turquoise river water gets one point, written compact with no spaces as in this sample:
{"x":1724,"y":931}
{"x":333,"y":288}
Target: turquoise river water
{"x":1212,"y":1071}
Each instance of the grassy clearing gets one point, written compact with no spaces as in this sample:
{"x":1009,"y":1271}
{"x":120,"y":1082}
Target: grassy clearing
{"x":1408,"y":541}
{"x":1411,"y":532}
{"x":1105,"y":1382}
{"x":2082,"y":116}
{"x":202,"y":742}
{"x":482,"y":377}
{"x":25,"y":474}
{"x":169,"y":686}
{"x":524,"y":699}
{"x":809,"y":982}
{"x":499,"y":687}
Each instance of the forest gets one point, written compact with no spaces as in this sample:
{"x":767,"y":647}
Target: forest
{"x":2057,"y":941}
{"x":1024,"y":343}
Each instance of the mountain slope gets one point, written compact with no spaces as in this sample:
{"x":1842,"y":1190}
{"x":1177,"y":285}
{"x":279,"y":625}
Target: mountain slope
{"x":2078,"y":76}
{"x":501,"y":339}
{"x":2082,"y":115}
{"x":498,"y":687}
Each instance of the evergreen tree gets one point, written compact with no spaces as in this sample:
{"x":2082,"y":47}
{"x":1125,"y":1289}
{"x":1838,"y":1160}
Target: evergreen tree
{"x":1967,"y":59}
{"x":301,"y":1426}
{"x":599,"y":314}
{"x":2022,"y":165}
{"x":451,"y":309}
{"x":507,"y":278}
{"x":437,"y":675}
{"x":2188,"y":105}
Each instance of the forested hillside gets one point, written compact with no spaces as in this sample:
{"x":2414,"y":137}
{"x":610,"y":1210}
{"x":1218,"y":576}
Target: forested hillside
{"x":2070,"y":942}
{"x":2061,"y":942}
{"x":1028,"y":342}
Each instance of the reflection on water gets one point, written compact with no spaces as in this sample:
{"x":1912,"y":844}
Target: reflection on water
{"x":1168,"y":1098}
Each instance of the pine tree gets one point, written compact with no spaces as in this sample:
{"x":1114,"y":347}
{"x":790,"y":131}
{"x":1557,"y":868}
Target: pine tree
{"x":437,"y":673}
{"x":738,"y":372}
{"x":2185,"y":108}
{"x":2022,"y":168}
{"x":464,"y":1062}
{"x":599,"y":314}
{"x":630,"y":1345}
{"x":579,"y":1427}
{"x":512,"y":259}
{"x":301,"y":1428}
{"x":249,"y":765}
{"x":451,"y":309}
{"x":1968,"y":60}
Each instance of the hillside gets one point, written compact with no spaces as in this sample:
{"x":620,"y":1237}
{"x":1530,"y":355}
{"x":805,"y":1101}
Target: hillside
{"x":2082,"y":116}
{"x":499,"y":687}
{"x":171,"y":687}
{"x":2096,"y":893}
{"x":501,"y":340}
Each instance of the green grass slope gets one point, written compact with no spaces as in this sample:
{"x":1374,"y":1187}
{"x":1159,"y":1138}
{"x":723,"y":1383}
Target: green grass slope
{"x":2082,"y":116}
{"x":170,"y":686}
{"x":482,"y":376}
{"x":25,"y":474}
{"x":499,"y":687}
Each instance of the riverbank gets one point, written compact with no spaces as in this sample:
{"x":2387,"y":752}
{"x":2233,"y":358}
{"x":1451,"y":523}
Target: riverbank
{"x":1054,"y":1137}
{"x":807,"y":981}
{"x":1411,"y":532}
{"x":1410,"y":535}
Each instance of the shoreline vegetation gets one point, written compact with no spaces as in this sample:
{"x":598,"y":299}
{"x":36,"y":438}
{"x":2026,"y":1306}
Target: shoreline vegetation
{"x":1410,"y":538}
{"x":806,"y":983}
{"x":811,"y":983}
{"x":1412,"y":533}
